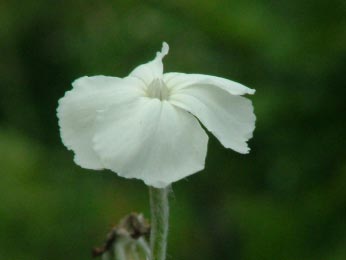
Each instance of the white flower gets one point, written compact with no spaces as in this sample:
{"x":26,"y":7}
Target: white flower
{"x":145,"y":125}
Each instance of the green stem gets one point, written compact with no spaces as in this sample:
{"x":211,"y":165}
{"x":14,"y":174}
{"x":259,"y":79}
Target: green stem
{"x":119,"y":250}
{"x":106,"y":256}
{"x":159,"y":222}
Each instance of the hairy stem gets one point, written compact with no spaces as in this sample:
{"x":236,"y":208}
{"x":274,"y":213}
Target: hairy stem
{"x":159,"y":222}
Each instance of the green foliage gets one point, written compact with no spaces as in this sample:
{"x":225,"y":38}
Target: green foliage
{"x":285,"y":200}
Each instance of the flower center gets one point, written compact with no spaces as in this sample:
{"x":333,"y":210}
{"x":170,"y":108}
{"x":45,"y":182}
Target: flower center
{"x":158,"y":89}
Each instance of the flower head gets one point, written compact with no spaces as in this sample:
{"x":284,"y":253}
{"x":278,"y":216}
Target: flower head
{"x":146,"y":126}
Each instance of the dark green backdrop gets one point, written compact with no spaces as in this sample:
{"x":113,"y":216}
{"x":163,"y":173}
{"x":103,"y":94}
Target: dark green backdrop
{"x":286,"y":200}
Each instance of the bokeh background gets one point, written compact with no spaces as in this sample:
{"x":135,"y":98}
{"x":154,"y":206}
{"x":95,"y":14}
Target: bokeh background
{"x":285,"y":200}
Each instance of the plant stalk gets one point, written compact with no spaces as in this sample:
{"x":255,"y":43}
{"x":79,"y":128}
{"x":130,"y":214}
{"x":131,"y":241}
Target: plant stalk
{"x":159,"y":222}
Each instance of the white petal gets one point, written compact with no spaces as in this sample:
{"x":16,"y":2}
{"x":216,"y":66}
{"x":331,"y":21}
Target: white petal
{"x":177,"y":81}
{"x":150,"y":140}
{"x":153,"y":69}
{"x":77,"y":113}
{"x":230,"y":118}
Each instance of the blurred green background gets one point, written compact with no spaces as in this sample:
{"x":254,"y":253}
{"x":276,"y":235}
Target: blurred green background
{"x":286,"y":200}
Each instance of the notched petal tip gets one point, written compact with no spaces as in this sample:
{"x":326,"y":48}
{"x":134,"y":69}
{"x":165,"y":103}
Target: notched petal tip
{"x":245,"y":151}
{"x":164,"y":51}
{"x":165,"y":48}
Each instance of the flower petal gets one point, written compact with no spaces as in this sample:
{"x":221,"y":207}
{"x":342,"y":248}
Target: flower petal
{"x":153,"y":69}
{"x":176,"y":81}
{"x":230,"y":118}
{"x":150,"y":140}
{"x":77,"y":113}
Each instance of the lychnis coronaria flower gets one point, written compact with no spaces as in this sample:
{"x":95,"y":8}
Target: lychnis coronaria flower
{"x":147,"y":125}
